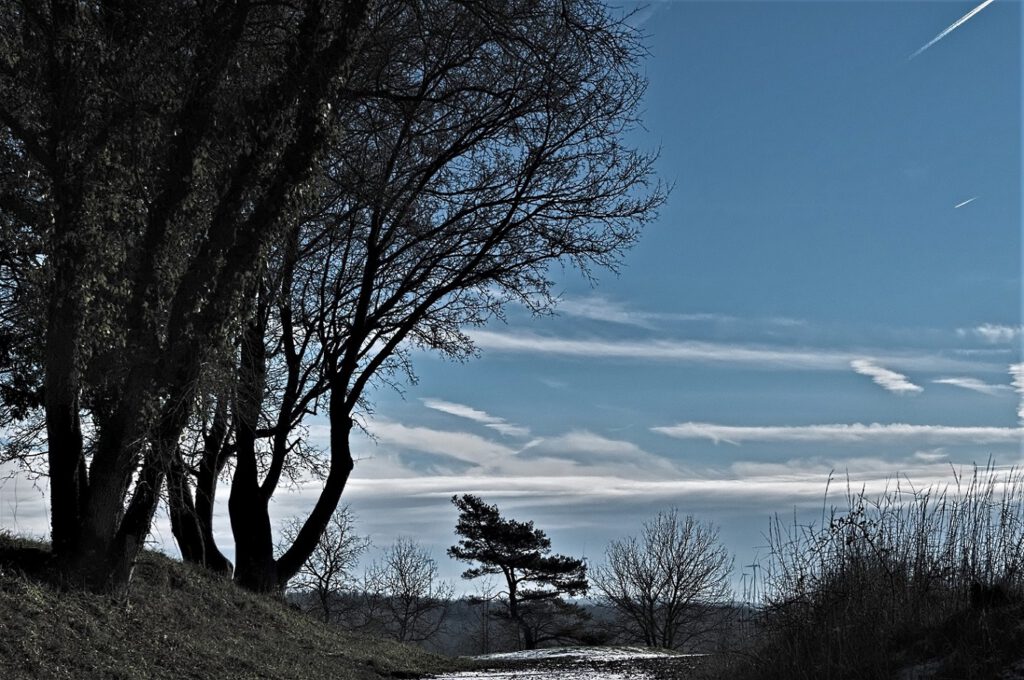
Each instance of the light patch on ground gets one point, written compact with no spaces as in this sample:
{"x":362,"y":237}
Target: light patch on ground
{"x":580,"y":653}
{"x":571,"y":663}
{"x":560,"y":674}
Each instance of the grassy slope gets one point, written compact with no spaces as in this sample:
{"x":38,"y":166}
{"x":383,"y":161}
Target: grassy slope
{"x":180,"y":622}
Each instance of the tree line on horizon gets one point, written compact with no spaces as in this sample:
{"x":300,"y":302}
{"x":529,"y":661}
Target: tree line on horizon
{"x":667,"y":587}
{"x":221,"y":217}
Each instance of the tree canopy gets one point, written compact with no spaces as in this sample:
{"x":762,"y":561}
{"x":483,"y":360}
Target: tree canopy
{"x":519,"y":553}
{"x":225,"y":216}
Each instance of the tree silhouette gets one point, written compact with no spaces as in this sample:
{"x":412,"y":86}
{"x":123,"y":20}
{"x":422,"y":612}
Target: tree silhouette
{"x":522,"y":555}
{"x":328,"y":571}
{"x":667,"y":584}
{"x":224,"y":216}
{"x":405,"y":597}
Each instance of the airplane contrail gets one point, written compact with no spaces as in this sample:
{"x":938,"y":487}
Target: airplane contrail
{"x":962,"y":204}
{"x":952,"y":27}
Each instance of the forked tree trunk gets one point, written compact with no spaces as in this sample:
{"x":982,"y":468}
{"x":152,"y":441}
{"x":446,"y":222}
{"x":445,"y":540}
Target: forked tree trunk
{"x":192,"y":522}
{"x":192,"y":515}
{"x":255,"y":568}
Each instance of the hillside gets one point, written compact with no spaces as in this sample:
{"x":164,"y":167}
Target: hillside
{"x":180,"y":622}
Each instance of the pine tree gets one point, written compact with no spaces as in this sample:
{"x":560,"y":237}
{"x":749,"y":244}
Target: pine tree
{"x":522,"y":555}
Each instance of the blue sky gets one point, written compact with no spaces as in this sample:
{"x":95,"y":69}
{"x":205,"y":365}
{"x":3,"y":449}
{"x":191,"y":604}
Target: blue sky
{"x":810,"y":269}
{"x":810,"y":299}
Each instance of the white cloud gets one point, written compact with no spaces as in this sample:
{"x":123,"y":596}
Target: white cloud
{"x":974,"y":385}
{"x":919,"y":468}
{"x":499,"y":425}
{"x":654,"y":349}
{"x":463,"y":446}
{"x":573,"y":454}
{"x":587,"y":441}
{"x":884,"y":378}
{"x":701,"y":352}
{"x":460,"y":410}
{"x":600,"y":308}
{"x":509,"y":430}
{"x":992,"y":333}
{"x":842,"y":432}
{"x":751,"y":483}
{"x":1017,"y":380}
{"x":600,"y":454}
{"x":931,"y":455}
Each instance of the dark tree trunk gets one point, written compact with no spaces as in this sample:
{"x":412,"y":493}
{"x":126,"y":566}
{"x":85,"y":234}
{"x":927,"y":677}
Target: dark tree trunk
{"x":514,"y":613}
{"x":66,"y":457}
{"x":342,"y":464}
{"x":192,"y":516}
{"x":67,"y":469}
{"x":255,"y":568}
{"x":192,"y":521}
{"x":529,"y":641}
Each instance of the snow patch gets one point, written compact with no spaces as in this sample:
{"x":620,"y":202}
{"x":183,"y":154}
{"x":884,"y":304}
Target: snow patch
{"x":561,"y":674}
{"x":581,"y":653}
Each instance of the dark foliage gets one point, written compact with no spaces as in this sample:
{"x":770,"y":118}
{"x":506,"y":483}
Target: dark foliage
{"x":535,"y":579}
{"x":225,"y":216}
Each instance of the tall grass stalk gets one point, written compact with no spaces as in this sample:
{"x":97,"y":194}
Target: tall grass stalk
{"x":843,"y":594}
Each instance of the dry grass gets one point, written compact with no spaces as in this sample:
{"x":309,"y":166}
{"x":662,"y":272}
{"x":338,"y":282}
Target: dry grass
{"x":180,"y":622}
{"x":929,"y":578}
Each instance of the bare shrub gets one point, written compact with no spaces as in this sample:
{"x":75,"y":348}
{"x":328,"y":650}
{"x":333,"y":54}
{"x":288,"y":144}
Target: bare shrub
{"x":328,"y":571}
{"x":667,"y":583}
{"x":405,"y":598}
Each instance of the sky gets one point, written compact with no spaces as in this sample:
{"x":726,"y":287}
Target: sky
{"x":833,"y":288}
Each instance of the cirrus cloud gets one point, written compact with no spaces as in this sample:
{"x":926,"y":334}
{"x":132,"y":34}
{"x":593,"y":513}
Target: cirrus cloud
{"x":992,"y":333}
{"x":842,"y":432}
{"x":499,"y":425}
{"x":692,"y":351}
{"x":974,"y":385}
{"x":885,"y":378}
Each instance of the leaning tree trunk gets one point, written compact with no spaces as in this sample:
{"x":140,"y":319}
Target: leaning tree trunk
{"x":342,"y":464}
{"x":255,"y":568}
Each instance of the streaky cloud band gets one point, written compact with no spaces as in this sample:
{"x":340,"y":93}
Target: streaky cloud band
{"x":842,"y":432}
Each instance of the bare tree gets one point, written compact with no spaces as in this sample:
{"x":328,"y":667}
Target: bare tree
{"x":328,"y":571}
{"x":666,"y":584}
{"x":486,"y":143}
{"x":484,"y":593}
{"x":405,"y":597}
